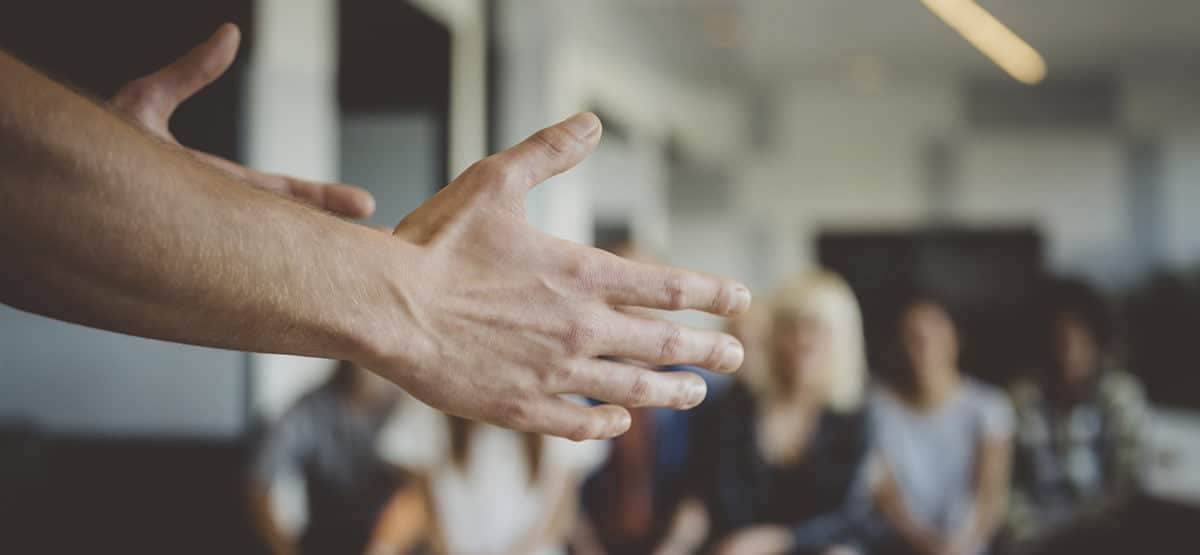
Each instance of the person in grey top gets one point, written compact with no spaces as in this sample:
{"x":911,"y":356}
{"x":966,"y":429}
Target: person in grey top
{"x":943,"y":441}
{"x":328,"y":439}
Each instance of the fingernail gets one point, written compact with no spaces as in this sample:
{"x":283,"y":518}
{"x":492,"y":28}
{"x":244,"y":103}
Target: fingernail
{"x":741,"y":300}
{"x":696,"y":394}
{"x":623,"y":423}
{"x":582,"y":125}
{"x":731,"y":357}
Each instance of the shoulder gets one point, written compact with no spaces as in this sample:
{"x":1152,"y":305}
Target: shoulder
{"x":991,"y":405}
{"x":883,"y":399}
{"x":1119,"y":383}
{"x":1121,"y":390}
{"x":984,"y":394}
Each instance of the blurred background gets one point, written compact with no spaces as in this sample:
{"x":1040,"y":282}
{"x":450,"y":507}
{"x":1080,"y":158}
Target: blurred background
{"x":756,"y":139}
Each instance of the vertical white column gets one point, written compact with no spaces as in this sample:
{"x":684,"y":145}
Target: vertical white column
{"x":292,"y":123}
{"x":468,"y":78}
{"x":534,"y":92}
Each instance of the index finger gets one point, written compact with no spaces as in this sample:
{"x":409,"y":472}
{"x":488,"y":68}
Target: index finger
{"x":629,"y":283}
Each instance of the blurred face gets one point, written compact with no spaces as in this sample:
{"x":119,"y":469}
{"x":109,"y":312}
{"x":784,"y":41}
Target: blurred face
{"x":1075,"y":350}
{"x":802,"y":349}
{"x":930,"y":341}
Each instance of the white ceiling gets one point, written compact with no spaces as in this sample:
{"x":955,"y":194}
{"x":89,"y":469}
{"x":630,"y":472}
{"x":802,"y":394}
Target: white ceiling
{"x":777,"y":40}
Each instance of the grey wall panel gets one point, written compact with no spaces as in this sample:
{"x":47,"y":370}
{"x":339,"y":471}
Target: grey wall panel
{"x":74,"y":380}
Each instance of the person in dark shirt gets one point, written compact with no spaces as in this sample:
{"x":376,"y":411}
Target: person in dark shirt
{"x":328,"y":439}
{"x":792,"y":473}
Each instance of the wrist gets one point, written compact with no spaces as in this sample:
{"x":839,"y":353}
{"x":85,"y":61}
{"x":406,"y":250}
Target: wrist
{"x":379,"y":324}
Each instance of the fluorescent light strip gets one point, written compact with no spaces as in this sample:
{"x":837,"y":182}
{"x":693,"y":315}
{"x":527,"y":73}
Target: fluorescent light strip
{"x":991,"y":37}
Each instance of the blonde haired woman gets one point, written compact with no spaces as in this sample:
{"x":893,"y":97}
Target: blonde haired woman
{"x":793,"y":444}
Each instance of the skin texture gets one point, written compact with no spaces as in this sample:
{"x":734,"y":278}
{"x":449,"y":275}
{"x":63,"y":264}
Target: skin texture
{"x":467,"y":306}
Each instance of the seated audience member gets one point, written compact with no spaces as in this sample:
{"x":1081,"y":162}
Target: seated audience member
{"x":490,"y":490}
{"x":635,"y":503}
{"x":406,"y":526}
{"x":1078,"y":426}
{"x":792,"y":448}
{"x":328,"y":441}
{"x":641,"y":500}
{"x":944,"y":442}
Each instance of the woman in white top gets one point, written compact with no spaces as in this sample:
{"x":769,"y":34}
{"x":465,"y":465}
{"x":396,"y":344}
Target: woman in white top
{"x":491,"y":491}
{"x":944,"y":440}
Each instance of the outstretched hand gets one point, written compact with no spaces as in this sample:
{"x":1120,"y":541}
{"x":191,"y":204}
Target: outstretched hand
{"x":151,"y":100}
{"x":503,"y":319}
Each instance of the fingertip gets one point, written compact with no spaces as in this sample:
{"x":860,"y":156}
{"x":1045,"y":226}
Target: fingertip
{"x":366,"y":204}
{"x":583,"y":125}
{"x":617,"y":421}
{"x":732,"y":355}
{"x":346,"y":200}
{"x":740,"y":300}
{"x":622,"y":420}
{"x":227,"y":31}
{"x":697,"y":392}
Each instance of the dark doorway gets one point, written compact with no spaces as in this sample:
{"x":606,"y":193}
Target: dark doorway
{"x":989,"y":279}
{"x":394,"y":96}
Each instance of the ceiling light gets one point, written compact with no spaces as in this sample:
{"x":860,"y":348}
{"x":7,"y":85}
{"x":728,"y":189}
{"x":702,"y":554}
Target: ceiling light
{"x":991,"y":37}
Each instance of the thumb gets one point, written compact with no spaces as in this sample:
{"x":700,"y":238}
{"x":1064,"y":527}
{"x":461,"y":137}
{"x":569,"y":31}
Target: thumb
{"x":555,"y":149}
{"x":159,"y":93}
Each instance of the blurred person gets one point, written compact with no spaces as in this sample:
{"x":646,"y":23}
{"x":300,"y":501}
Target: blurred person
{"x":491,"y":490}
{"x":793,"y":449}
{"x":328,"y":440}
{"x":1079,"y":426}
{"x":944,"y":442}
{"x":643,"y":499}
{"x":406,"y":525}
{"x":753,"y":329}
{"x":107,"y":222}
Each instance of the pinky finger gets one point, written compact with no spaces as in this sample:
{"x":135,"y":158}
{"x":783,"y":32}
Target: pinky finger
{"x":560,"y":417}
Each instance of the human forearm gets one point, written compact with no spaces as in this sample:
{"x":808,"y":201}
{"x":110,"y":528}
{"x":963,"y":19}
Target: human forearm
{"x":991,"y":489}
{"x":273,"y":537}
{"x":109,"y":227}
{"x":466,"y":305}
{"x":890,"y":503}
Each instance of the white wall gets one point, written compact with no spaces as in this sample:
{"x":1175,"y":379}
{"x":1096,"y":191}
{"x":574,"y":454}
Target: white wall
{"x":292,"y":127}
{"x":846,"y":158}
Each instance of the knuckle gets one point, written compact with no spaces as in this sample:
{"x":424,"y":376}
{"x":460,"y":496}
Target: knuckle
{"x":561,"y":377}
{"x":639,"y":392}
{"x":715,"y":355}
{"x":137,"y":96}
{"x":514,"y":413}
{"x":722,"y":302}
{"x":584,"y":430}
{"x":674,"y":292}
{"x":579,"y":336}
{"x":555,"y":141}
{"x":671,"y":344}
{"x":493,"y":171}
{"x":584,"y":270}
